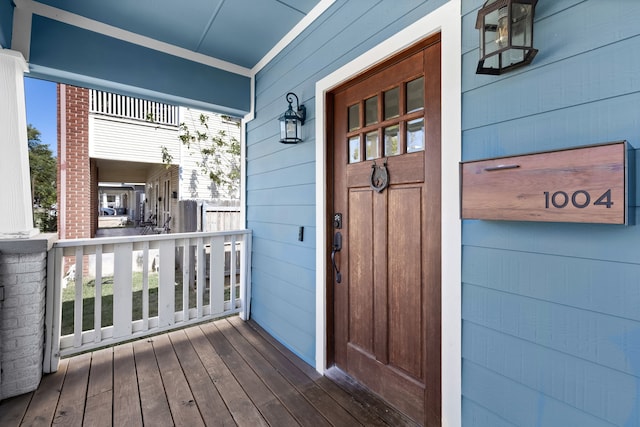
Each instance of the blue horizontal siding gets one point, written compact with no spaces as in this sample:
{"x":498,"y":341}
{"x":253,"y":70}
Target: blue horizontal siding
{"x":293,"y":253}
{"x":603,"y":392}
{"x":551,"y":326}
{"x":286,"y":195}
{"x":285,"y":158}
{"x":274,"y":178}
{"x":293,"y":323}
{"x":478,"y":416}
{"x":275,"y":214}
{"x":281,"y":179}
{"x":615,"y":243}
{"x":518,"y":404}
{"x":570,"y":29}
{"x":602,"y":339}
{"x":287,"y":234}
{"x":604,"y":287}
{"x":297,"y":277}
{"x":613,"y":119}
{"x":555,"y":86}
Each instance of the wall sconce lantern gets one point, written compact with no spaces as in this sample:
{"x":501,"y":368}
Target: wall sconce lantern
{"x":291,"y":121}
{"x":506,"y":35}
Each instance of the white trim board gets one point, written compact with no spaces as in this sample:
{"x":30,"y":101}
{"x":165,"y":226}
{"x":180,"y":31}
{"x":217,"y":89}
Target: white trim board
{"x":447,"y":21}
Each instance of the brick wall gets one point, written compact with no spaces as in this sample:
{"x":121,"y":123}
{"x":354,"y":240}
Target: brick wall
{"x":23,"y":265}
{"x":79,"y":216}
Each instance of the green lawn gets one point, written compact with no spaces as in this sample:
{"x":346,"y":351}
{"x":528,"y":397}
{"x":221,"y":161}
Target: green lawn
{"x":88,"y":291}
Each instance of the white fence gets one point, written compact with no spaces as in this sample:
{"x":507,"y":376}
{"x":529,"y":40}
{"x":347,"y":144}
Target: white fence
{"x":159,"y":282}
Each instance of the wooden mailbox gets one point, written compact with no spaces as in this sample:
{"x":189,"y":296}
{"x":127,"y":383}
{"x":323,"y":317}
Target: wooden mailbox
{"x":585,"y":184}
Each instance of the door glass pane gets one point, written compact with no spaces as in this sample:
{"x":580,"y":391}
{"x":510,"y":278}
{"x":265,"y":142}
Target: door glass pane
{"x":415,"y":95}
{"x":372,"y":145}
{"x":371,"y":111}
{"x":392,"y":141}
{"x":392,"y":103}
{"x":354,"y":149}
{"x":354,"y":117}
{"x":415,"y":135}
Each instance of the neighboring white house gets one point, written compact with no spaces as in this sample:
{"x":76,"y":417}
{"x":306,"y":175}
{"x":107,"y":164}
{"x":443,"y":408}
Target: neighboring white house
{"x":122,"y":142}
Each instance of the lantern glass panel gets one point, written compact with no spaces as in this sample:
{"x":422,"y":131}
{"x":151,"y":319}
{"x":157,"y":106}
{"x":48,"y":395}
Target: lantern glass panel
{"x":521,"y":25}
{"x":283,"y":130}
{"x":491,"y":36}
{"x":296,"y":127}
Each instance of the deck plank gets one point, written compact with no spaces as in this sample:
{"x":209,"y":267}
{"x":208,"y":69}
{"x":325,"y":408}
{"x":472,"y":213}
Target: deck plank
{"x":181,"y":401}
{"x":307,"y":379}
{"x":295,"y":401}
{"x":222,"y":373}
{"x":126,"y":399}
{"x":45,"y":399}
{"x":267,"y":403}
{"x":363,"y":405}
{"x":240,"y":406}
{"x":98,"y":410}
{"x":153,"y":401}
{"x":214,"y":411}
{"x":373,"y":402}
{"x":13,"y":409}
{"x":332,"y":402}
{"x":70,"y":411}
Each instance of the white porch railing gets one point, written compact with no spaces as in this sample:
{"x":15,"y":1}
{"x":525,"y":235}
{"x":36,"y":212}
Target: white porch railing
{"x":127,"y":107}
{"x":122,"y":288}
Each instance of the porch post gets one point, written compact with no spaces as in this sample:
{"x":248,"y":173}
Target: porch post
{"x":16,"y":217}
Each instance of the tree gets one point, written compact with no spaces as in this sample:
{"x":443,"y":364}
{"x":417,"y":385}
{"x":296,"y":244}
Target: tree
{"x":219,"y":152}
{"x":43,"y":169}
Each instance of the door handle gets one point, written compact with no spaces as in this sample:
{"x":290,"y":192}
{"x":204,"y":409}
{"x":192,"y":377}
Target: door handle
{"x":337,"y":247}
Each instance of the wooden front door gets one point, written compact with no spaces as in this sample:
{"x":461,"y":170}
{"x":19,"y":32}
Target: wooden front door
{"x":386,"y":308}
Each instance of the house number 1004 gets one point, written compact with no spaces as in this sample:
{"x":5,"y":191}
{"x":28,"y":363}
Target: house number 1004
{"x":580,"y":199}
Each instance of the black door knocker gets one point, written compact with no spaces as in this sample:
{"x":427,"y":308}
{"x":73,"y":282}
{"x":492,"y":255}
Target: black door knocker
{"x":379,"y":176}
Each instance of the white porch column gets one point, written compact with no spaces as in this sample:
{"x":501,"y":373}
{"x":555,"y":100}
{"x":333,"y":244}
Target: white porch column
{"x":16,"y":217}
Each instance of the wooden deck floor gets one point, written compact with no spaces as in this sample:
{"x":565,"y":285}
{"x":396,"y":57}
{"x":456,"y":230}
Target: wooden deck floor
{"x":223,"y":373}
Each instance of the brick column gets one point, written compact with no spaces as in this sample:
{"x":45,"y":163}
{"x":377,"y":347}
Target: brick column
{"x":23,"y":266}
{"x":76,"y":210}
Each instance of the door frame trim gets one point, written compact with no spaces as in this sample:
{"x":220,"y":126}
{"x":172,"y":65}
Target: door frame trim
{"x":446,"y":20}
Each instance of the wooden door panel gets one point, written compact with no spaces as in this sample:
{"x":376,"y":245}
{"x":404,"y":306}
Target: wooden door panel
{"x":360,"y":273}
{"x":405,"y":280}
{"x":404,"y":70}
{"x":405,"y":169}
{"x":381,"y":292}
{"x":404,"y":392}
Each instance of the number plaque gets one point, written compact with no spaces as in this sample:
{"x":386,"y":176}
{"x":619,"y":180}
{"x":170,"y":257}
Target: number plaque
{"x":585,"y":184}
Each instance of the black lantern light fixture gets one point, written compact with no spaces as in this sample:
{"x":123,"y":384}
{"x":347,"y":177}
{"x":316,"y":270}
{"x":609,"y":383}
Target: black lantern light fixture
{"x":506,"y":35}
{"x":291,"y":121}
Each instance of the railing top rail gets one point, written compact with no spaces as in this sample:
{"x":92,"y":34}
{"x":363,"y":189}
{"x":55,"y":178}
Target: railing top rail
{"x":145,"y":238}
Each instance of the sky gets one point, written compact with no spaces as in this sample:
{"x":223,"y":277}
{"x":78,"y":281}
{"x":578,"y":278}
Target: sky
{"x":40,"y":97}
